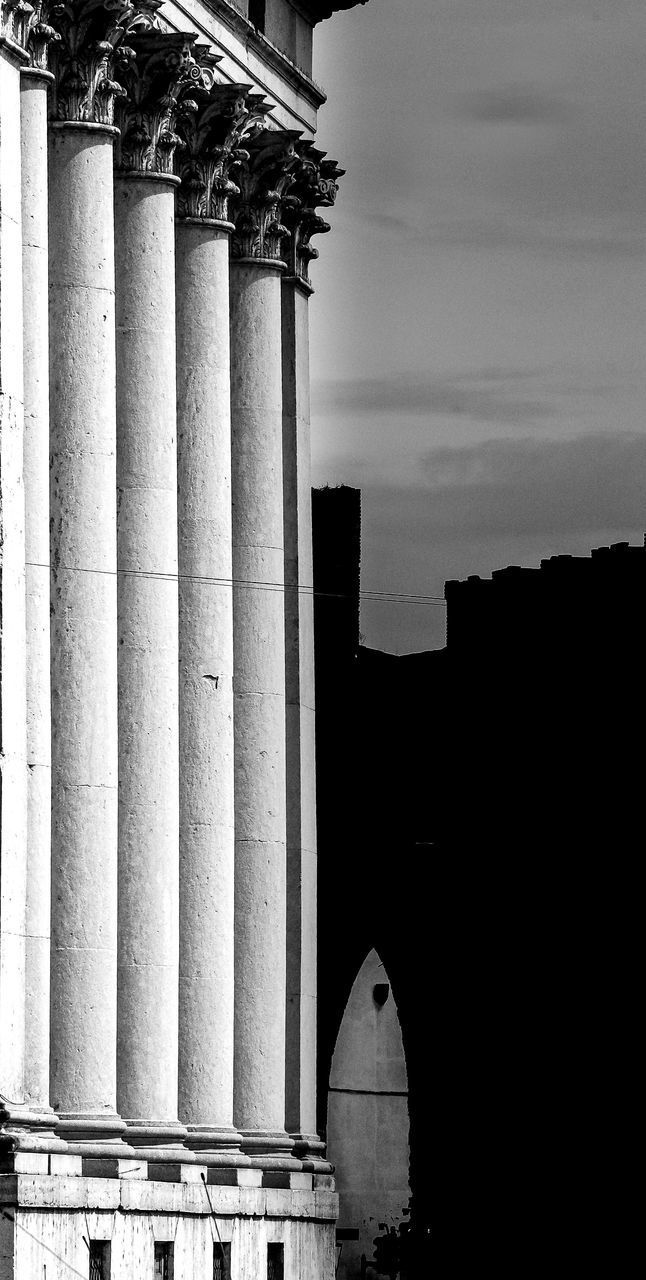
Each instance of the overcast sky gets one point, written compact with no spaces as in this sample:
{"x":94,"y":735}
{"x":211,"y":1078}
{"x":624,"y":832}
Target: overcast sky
{"x":479,"y":323}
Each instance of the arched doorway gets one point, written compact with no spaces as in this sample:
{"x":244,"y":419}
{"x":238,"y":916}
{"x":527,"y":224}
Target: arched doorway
{"x":368,"y":1121}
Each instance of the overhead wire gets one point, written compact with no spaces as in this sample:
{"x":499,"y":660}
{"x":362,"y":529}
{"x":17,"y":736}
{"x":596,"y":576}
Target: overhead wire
{"x":392,"y":597}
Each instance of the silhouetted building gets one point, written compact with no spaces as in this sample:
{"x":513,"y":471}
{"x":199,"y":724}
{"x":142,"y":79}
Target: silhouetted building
{"x":478,"y":817}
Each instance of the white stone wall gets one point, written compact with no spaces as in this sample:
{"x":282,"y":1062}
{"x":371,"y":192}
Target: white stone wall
{"x":56,"y":1213}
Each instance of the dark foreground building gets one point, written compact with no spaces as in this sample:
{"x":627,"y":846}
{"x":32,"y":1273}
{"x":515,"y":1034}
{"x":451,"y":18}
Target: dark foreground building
{"x":479,"y":826}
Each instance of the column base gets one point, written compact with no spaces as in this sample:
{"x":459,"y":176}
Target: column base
{"x":222,"y":1146}
{"x":269,"y":1149}
{"x":155,"y":1133}
{"x":310,"y":1150}
{"x":84,"y":1126}
{"x":28,"y":1129}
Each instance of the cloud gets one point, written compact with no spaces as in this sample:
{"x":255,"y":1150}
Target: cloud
{"x":515,"y":225}
{"x":506,"y":397}
{"x":490,"y":396}
{"x":510,"y":104}
{"x":532,"y":487}
{"x":624,"y":238}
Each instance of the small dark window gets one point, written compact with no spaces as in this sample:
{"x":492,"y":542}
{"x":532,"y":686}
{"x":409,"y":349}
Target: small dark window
{"x":221,"y":1260}
{"x":163,"y":1260}
{"x":99,"y":1260}
{"x":380,"y":993}
{"x":257,"y":14}
{"x":275,"y":1261}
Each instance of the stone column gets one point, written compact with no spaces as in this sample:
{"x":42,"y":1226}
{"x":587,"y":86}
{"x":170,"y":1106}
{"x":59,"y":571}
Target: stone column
{"x":206,"y":984}
{"x":13,"y":767}
{"x":315,"y":185}
{"x":259,"y":649}
{"x":148,"y":594}
{"x":83,"y":588}
{"x":35,"y":82}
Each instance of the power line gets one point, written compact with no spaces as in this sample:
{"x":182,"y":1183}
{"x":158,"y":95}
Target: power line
{"x":59,"y":1257}
{"x":392,"y":597}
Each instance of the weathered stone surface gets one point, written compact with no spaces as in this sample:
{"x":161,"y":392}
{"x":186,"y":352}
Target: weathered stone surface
{"x":259,"y":669}
{"x":40,"y":1233}
{"x":206,"y":678}
{"x":148,"y":650}
{"x":13,"y":770}
{"x":83,"y":622}
{"x":33,"y":123}
{"x":299,"y":675}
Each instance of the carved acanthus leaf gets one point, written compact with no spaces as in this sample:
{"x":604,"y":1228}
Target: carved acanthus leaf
{"x":23,"y":23}
{"x":215,"y":139}
{"x":91,"y":52}
{"x":265,"y":180}
{"x":162,"y":80}
{"x":15,"y":17}
{"x":315,"y":186}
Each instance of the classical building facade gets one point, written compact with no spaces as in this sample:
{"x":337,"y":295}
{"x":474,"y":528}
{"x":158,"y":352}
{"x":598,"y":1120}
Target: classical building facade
{"x":160,"y":189}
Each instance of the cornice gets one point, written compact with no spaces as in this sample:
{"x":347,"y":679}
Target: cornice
{"x":285,"y":68}
{"x":317,"y":10}
{"x":269,"y":53}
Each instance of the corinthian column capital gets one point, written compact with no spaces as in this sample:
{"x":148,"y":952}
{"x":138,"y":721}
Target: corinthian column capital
{"x":315,"y":186}
{"x":25,"y":27}
{"x":40,"y":35}
{"x":215,"y":138}
{"x":265,"y":180}
{"x":15,"y":17}
{"x":89,"y":58}
{"x":162,"y":81}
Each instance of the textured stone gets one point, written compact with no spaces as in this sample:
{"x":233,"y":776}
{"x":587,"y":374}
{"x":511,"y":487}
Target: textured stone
{"x":13,"y":780}
{"x":206,"y":678}
{"x":299,"y":674}
{"x":259,"y":669}
{"x":148,"y":651}
{"x":33,"y":123}
{"x":83,"y":623}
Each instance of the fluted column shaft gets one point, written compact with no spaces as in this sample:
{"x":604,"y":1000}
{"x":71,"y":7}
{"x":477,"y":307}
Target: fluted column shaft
{"x":83,"y":625}
{"x":259,"y":682}
{"x":13,"y":770}
{"x":299,"y":721}
{"x":148,"y":654}
{"x":33,"y":121}
{"x":206,"y":994}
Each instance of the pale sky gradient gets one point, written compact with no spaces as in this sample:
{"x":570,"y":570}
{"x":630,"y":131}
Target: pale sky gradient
{"x":479,"y":322}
